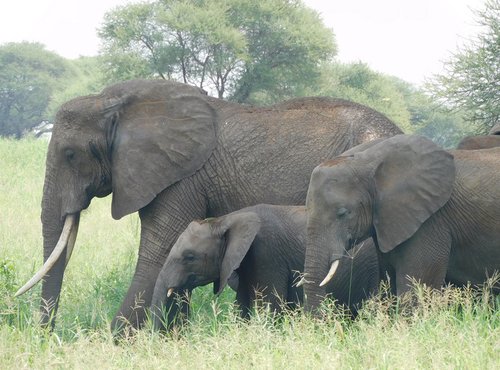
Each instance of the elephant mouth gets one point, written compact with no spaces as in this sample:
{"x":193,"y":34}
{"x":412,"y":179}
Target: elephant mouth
{"x":193,"y":281}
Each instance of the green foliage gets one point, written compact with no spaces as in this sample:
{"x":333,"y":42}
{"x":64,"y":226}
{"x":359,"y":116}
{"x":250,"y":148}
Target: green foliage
{"x":245,"y":50}
{"x":34,"y":82}
{"x":357,"y":82}
{"x":410,"y":108}
{"x":445,"y":128}
{"x":29,"y":75}
{"x":87,"y":78}
{"x":472,"y":77}
{"x":7,"y":276}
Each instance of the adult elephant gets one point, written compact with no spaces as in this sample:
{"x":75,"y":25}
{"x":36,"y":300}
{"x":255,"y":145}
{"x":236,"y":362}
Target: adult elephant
{"x":172,"y":153}
{"x":434,"y":215}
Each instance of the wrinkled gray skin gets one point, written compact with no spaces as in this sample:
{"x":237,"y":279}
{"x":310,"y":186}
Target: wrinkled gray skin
{"x":434,"y":215}
{"x":265,"y":246}
{"x":492,"y":140}
{"x":479,"y":142}
{"x":174,"y":154}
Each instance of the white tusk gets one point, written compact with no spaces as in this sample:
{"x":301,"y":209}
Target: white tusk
{"x":54,"y":256}
{"x":170,"y":291}
{"x":72,"y":240}
{"x":328,"y":277}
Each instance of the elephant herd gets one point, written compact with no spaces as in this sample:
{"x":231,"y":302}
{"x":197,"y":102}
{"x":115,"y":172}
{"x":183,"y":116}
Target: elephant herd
{"x":288,"y":203}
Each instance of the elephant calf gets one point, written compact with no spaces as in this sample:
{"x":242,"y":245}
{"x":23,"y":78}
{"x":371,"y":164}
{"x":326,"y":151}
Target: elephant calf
{"x":265,"y":246}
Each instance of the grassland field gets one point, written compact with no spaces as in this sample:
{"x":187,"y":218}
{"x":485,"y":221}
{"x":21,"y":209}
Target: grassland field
{"x":453,"y":329}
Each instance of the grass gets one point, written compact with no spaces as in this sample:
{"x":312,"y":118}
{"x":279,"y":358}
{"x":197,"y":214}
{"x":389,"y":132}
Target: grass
{"x":457,"y":328}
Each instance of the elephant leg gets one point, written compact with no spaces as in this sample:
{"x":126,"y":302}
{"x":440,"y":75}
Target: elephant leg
{"x":423,"y":258}
{"x":276,"y":294}
{"x":161,"y":223}
{"x":244,"y":299}
{"x":295,"y":295}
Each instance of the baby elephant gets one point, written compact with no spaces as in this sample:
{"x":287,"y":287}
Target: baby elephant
{"x":265,"y":246}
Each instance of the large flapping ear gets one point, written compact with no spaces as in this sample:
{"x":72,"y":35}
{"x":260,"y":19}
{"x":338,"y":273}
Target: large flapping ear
{"x":164,"y":132}
{"x":413,"y":180}
{"x":239,"y":230}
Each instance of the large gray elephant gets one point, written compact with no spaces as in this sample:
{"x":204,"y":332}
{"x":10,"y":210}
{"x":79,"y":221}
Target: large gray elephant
{"x":174,"y":154}
{"x":435,"y":215}
{"x":265,"y":245}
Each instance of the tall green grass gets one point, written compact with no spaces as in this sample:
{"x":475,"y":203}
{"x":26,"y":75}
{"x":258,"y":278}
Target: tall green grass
{"x":450,"y":329}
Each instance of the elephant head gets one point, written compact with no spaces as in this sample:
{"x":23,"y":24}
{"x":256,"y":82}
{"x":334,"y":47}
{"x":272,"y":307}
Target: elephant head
{"x":207,"y":251}
{"x":133,"y":140}
{"x":386,"y":190}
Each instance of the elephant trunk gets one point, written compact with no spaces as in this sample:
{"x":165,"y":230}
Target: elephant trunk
{"x":57,"y":252}
{"x":161,"y":305}
{"x":59,"y":235}
{"x":158,"y":302}
{"x":322,"y":260}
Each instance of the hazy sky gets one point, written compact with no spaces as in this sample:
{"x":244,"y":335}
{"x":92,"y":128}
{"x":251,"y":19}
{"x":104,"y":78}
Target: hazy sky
{"x":405,"y":38}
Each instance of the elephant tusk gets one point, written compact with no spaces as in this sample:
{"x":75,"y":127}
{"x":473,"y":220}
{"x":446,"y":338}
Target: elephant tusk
{"x":328,"y":277}
{"x":72,"y":240}
{"x":54,"y":256}
{"x":170,"y":291}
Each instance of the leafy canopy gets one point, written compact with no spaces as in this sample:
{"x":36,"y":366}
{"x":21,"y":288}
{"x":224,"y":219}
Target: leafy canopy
{"x":28,"y":76}
{"x":244,"y":50}
{"x":471,"y":82}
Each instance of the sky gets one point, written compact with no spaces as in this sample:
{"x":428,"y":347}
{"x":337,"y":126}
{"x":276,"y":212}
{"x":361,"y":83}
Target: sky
{"x":409,"y":39}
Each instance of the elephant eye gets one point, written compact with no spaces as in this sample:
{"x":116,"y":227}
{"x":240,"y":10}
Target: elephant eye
{"x":69,"y":154}
{"x":341,"y":212}
{"x":189,"y":257}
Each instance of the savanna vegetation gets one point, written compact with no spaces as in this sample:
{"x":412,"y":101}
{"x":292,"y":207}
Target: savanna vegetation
{"x":459,"y":328}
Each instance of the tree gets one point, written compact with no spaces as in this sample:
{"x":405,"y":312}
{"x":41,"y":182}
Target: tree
{"x":86,"y":77}
{"x":28,"y":76}
{"x":357,"y":82}
{"x":245,"y":50}
{"x":410,"y":108}
{"x":471,"y":82}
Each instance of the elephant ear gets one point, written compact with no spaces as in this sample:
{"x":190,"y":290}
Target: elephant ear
{"x":239,"y":230}
{"x":362,"y":147}
{"x":414,"y":179}
{"x":164,"y":132}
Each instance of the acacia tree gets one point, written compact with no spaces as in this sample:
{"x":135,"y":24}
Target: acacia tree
{"x":241,"y":49}
{"x":28,"y":76}
{"x":471,"y":82}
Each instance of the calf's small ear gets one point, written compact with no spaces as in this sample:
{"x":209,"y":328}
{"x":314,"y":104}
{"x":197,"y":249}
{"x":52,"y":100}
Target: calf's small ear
{"x":239,"y":231}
